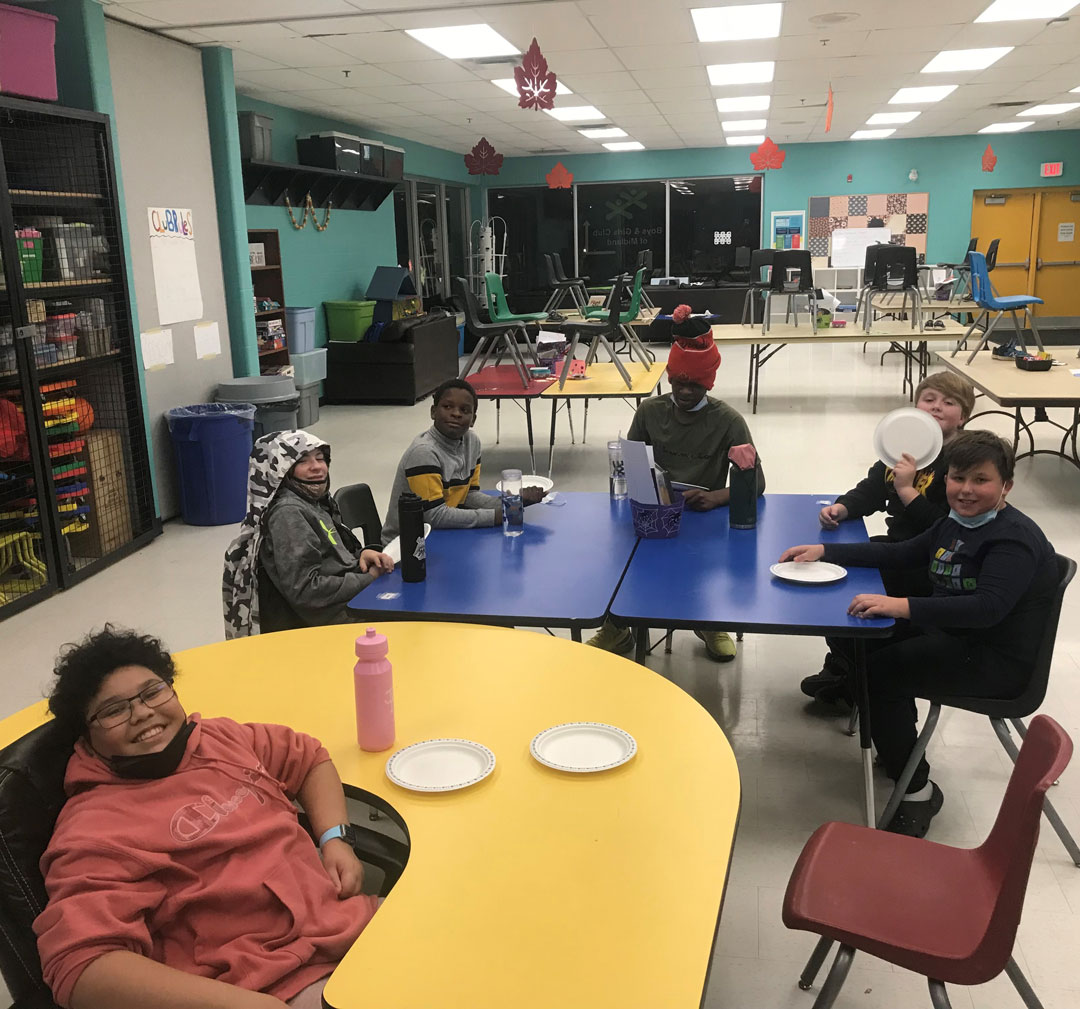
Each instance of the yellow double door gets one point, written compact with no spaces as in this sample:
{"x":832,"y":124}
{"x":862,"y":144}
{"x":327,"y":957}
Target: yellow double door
{"x":1039,"y":246}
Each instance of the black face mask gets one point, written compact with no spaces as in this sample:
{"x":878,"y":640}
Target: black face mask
{"x":147,"y":766}
{"x":314,"y":490}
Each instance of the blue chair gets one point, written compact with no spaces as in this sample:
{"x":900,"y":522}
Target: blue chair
{"x":984,"y":297}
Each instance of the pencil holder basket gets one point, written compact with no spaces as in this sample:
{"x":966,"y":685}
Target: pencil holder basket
{"x":657,"y":521}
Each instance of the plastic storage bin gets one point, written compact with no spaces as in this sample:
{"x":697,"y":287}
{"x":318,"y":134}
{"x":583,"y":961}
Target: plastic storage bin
{"x":338,"y":151}
{"x":393,"y":162}
{"x":68,"y":253}
{"x":309,"y":368}
{"x":308,"y":412}
{"x":67,"y":347}
{"x":27,"y":53}
{"x":273,"y":396}
{"x":256,"y":134}
{"x":28,"y":241}
{"x":212,"y":443}
{"x":300,"y":329}
{"x":348,"y":321}
{"x":371,"y":157}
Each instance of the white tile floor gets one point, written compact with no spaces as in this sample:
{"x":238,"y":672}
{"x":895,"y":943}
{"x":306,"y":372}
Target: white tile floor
{"x":817,"y":411}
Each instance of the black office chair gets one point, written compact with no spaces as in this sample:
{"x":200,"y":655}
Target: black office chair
{"x":492,"y":335}
{"x":760,"y":259}
{"x":999,"y":711}
{"x":31,"y":797}
{"x":793,"y":289}
{"x":358,"y":511}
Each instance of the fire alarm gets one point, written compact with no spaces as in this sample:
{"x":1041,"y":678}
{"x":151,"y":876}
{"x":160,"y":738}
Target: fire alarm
{"x":913,"y":175}
{"x":849,"y":178}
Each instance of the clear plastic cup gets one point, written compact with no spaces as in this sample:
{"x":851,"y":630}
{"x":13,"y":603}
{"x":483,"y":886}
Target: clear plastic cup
{"x":616,"y":471}
{"x":513,"y":508}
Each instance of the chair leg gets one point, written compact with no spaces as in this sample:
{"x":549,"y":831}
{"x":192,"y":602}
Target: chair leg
{"x":1049,"y":812}
{"x":1020,"y":983}
{"x":837,"y":976}
{"x":938,"y":995}
{"x":1035,"y":330}
{"x":853,"y":722}
{"x":813,"y":965}
{"x":917,"y":752}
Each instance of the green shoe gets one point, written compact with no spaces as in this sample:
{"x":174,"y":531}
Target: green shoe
{"x":718,"y":645}
{"x":610,"y":638}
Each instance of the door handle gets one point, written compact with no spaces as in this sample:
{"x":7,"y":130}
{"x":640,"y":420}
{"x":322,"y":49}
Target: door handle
{"x":1056,"y":262}
{"x":1025,"y":264}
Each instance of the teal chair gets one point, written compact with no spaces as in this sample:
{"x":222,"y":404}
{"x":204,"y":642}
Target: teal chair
{"x":498,"y":309}
{"x":631,"y":314}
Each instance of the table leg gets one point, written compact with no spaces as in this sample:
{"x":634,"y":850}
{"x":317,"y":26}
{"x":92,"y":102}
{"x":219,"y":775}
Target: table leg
{"x":750,"y":374}
{"x":575,"y":634}
{"x":571,"y":350}
{"x":551,"y":443}
{"x":570,"y":420}
{"x":862,"y":699}
{"x":528,"y":425}
{"x":585,"y":423}
{"x":642,"y":644}
{"x":757,"y":375}
{"x":498,"y":419}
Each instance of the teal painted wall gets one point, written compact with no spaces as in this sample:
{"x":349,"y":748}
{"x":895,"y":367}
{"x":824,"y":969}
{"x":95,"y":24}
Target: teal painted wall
{"x":336,"y":264}
{"x":950,"y":168}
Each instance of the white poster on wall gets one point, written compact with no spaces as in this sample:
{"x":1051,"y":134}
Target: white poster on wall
{"x":176,"y":269}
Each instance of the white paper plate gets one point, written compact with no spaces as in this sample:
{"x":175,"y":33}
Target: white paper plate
{"x":440,"y":765}
{"x":393,"y":548}
{"x":809,"y":572}
{"x":532,"y":480}
{"x":910,"y":430}
{"x":583,"y":747}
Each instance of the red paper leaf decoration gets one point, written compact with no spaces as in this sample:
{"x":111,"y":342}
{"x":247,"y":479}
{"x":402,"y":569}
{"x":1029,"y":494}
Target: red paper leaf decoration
{"x":483,"y":159}
{"x":559,"y":177}
{"x":989,"y":159}
{"x":768,"y":155}
{"x":535,"y":84}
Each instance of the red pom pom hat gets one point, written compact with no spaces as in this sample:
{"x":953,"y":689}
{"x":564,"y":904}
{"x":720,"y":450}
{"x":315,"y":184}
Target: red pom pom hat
{"x":694,"y":356}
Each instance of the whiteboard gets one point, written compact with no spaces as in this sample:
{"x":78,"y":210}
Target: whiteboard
{"x":849,"y":245}
{"x":176,"y":270}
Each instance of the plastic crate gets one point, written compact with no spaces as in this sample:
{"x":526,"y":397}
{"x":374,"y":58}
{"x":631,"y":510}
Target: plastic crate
{"x":27,"y":53}
{"x":308,"y":411}
{"x":300,"y":327}
{"x":393,"y":162}
{"x":30,"y":259}
{"x":348,"y":321}
{"x":256,"y":134}
{"x":309,"y":368}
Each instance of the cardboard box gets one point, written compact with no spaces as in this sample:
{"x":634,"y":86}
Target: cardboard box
{"x":107,"y":496}
{"x":257,"y":253}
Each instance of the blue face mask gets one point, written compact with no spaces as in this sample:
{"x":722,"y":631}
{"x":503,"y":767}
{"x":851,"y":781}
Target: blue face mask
{"x":975,"y":521}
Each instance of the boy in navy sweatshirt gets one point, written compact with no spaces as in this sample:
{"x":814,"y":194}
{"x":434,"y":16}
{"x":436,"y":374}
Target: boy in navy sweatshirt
{"x":993,"y":574}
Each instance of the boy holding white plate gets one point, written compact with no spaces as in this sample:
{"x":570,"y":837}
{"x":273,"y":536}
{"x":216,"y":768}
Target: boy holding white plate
{"x":913,"y":499}
{"x":993,"y":575}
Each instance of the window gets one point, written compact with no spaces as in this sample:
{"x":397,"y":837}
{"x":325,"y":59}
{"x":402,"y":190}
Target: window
{"x":714,"y":225}
{"x":616,"y":222}
{"x":538,"y":220}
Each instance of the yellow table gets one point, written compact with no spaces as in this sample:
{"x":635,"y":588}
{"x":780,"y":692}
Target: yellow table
{"x":534,"y":888}
{"x":602,"y":381}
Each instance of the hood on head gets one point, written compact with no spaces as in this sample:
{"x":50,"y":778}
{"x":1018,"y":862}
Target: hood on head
{"x":272,"y":458}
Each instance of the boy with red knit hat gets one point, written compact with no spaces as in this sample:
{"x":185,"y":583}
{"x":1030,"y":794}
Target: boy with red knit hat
{"x":691,"y":434}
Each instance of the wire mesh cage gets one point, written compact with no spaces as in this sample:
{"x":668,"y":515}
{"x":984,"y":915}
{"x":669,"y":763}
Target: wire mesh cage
{"x":65,"y":294}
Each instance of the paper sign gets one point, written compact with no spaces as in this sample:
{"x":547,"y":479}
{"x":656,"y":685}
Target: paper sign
{"x":176,"y":270}
{"x":207,"y":340}
{"x":1066,"y":231}
{"x":639,"y":481}
{"x":157,"y":348}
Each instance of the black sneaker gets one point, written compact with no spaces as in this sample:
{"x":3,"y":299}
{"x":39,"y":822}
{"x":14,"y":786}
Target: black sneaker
{"x":1008,"y":352}
{"x":826,"y":678}
{"x":913,"y":818}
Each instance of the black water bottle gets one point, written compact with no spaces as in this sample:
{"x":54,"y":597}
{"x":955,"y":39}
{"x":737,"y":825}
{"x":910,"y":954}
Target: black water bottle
{"x":411,"y":524}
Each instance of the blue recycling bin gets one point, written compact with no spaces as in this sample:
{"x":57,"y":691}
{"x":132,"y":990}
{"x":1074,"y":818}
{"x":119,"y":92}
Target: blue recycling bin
{"x":212,"y":443}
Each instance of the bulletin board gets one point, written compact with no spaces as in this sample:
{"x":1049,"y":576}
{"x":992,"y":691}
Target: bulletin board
{"x":176,"y":268}
{"x":787,"y":229}
{"x":905,"y":216}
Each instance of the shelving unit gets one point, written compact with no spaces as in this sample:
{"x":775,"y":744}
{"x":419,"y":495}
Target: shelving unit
{"x":268,"y":283}
{"x":75,"y":485}
{"x":269,"y":183}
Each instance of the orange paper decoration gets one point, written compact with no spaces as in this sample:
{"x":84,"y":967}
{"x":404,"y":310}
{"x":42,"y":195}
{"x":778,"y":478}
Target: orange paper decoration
{"x":989,"y":159}
{"x":828,"y":110}
{"x":559,"y":177}
{"x":768,"y":155}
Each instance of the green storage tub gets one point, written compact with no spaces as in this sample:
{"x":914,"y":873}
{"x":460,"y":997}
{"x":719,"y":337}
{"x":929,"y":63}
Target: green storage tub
{"x":348,"y":321}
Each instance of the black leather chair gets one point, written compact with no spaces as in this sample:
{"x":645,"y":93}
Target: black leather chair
{"x":31,"y":796}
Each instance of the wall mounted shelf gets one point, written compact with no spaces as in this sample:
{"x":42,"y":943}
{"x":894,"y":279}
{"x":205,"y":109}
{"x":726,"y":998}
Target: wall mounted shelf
{"x":268,"y":183}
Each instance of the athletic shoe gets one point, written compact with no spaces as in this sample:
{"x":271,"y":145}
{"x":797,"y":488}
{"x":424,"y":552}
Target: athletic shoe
{"x":810,"y":685}
{"x":719,"y":645}
{"x":1007,"y":352}
{"x":610,"y":638}
{"x":913,"y":818}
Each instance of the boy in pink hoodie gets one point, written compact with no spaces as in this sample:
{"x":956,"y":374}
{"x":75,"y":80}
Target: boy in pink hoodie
{"x":177,"y":865}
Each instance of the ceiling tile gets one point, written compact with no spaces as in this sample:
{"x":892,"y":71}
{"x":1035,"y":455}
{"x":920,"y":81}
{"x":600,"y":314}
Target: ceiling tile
{"x":565,"y":63}
{"x":249,"y":61}
{"x":433,"y":71}
{"x":322,"y":27}
{"x":297,"y":52}
{"x":657,"y":56}
{"x":602,"y":99}
{"x":676,"y":94}
{"x":383,"y":47}
{"x":360,"y":75}
{"x":671,"y":77}
{"x":187,"y":12}
{"x":284,"y":79}
{"x":638,"y":24}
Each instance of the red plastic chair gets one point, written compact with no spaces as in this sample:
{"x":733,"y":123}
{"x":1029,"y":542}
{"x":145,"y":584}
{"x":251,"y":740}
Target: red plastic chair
{"x":948,"y":913}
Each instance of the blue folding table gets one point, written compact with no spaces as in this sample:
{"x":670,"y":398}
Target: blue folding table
{"x":712,"y":577}
{"x":562,"y":571}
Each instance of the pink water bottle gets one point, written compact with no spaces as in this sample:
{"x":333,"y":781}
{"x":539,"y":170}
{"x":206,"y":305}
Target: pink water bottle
{"x":374,"y":684}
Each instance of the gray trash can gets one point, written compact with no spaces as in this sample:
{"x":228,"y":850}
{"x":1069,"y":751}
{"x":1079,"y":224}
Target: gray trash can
{"x":275,"y":399}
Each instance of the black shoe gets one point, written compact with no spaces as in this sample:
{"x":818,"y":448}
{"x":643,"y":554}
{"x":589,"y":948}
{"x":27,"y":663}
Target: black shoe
{"x":913,"y":818}
{"x":839,"y":694}
{"x":826,"y":678}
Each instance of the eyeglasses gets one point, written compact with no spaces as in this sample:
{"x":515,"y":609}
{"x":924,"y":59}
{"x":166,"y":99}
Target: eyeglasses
{"x":119,"y":711}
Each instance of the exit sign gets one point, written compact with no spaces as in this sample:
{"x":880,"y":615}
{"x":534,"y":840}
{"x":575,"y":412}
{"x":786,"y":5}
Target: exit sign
{"x":1051,"y":169}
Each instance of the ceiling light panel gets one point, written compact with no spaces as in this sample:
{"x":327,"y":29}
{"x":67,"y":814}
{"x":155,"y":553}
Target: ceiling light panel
{"x":738,"y":140}
{"x":891,"y":118}
{"x":1050,"y":110}
{"x":722,"y":74}
{"x":575,"y":113}
{"x":732,"y":24}
{"x":922,"y":96}
{"x":605,"y":131}
{"x":1025,"y":10}
{"x":464,"y":42}
{"x":509,"y":85}
{"x":754,"y":103}
{"x":954,"y":60}
{"x":625,"y":145}
{"x":872,"y":134}
{"x":739,"y":125}
{"x":1012,"y":127}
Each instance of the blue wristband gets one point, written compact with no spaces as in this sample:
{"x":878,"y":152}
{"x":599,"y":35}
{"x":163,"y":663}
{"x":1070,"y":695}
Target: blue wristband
{"x":331,"y":834}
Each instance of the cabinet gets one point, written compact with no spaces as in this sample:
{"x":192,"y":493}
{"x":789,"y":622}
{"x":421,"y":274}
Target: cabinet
{"x":269,"y":286}
{"x":75,"y":485}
